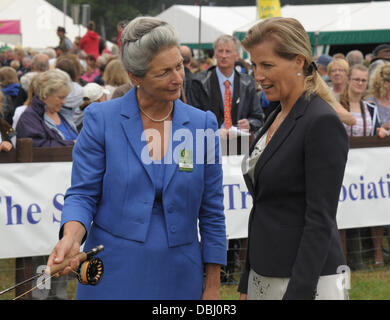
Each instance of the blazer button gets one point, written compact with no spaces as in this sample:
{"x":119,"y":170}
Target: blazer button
{"x":173,"y":229}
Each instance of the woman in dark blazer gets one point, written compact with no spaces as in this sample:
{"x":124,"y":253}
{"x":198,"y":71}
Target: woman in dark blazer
{"x":294,"y":171}
{"x":141,"y":186}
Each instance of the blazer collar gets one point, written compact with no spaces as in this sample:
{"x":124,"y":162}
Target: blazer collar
{"x":282,"y":133}
{"x":134,"y":130}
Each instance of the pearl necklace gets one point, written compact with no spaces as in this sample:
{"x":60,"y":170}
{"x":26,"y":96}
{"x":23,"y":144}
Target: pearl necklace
{"x":156,"y":120}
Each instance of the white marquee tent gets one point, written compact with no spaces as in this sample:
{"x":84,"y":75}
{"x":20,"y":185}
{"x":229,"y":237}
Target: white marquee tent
{"x":339,"y":24}
{"x":326,"y":24}
{"x":39,"y":21}
{"x":215,"y":22}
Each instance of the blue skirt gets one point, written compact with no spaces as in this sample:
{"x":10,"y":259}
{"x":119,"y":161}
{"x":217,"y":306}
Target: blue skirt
{"x":147,"y":270}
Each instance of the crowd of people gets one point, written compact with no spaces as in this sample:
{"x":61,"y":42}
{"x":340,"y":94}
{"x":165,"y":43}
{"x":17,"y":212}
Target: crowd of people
{"x":45,"y":95}
{"x":87,"y":60}
{"x":90,"y":72}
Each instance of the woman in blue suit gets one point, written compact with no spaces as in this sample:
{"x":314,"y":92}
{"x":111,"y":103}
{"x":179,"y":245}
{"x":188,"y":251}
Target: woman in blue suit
{"x":146,"y":173}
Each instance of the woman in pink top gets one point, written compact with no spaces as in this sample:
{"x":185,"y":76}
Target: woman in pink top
{"x":92,"y":72}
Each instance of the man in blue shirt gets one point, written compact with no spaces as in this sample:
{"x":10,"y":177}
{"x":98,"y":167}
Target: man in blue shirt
{"x":208,"y":88}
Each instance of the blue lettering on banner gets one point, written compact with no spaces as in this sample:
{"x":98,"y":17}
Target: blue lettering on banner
{"x":10,"y":208}
{"x":366,"y":190}
{"x":31,"y":211}
{"x":59,"y":206}
{"x":33,"y":215}
{"x":230,"y":196}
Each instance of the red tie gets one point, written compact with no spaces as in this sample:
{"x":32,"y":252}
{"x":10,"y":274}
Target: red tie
{"x":228,"y":105}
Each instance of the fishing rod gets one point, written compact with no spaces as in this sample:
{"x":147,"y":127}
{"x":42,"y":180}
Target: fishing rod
{"x":90,"y":270}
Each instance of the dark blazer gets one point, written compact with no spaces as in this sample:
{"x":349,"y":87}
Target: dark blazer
{"x":206,"y":95}
{"x":292,"y":226}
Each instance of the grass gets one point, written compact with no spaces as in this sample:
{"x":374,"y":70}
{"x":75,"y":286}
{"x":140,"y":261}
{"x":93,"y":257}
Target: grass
{"x":365,"y":285}
{"x":370,"y":285}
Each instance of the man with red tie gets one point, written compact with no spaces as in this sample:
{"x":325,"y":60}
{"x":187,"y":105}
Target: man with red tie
{"x":231,"y":95}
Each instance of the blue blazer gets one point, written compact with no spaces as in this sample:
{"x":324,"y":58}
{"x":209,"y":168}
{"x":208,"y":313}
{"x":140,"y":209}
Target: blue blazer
{"x":113,"y":187}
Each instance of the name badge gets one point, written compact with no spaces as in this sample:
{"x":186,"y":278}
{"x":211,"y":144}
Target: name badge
{"x":185,"y":160}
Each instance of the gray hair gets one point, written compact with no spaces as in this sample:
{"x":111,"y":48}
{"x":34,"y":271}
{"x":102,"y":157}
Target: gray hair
{"x":40,"y":62}
{"x":226,"y":38}
{"x":354,"y":57}
{"x":50,"y":52}
{"x":142,"y":39}
{"x":51,"y":81}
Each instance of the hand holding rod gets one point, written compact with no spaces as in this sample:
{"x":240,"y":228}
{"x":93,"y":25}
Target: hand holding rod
{"x":82,"y":256}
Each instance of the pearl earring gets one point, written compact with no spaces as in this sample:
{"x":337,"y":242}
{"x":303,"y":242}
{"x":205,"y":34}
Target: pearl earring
{"x":299,"y":74}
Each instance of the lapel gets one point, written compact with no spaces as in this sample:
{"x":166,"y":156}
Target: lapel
{"x":216,"y":94}
{"x":236,"y":107}
{"x":134,"y":130}
{"x":281,"y":134}
{"x":179,"y":119}
{"x":264,"y":128}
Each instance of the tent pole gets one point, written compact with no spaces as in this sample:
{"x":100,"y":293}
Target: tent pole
{"x":199,"y":30}
{"x":64,"y":7}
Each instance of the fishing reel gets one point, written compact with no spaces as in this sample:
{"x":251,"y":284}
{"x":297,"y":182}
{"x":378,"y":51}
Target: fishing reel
{"x":90,"y":272}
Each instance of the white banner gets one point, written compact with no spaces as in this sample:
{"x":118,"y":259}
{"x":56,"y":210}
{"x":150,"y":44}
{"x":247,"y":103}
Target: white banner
{"x":365,"y":195}
{"x":32,"y":197}
{"x":31,"y":201}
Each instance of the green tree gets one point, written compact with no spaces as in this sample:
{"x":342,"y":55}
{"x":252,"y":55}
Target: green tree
{"x":107,"y":14}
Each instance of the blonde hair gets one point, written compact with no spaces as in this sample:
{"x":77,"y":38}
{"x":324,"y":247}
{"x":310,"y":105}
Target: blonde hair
{"x":49,"y":82}
{"x":32,"y":90}
{"x":338,"y":62}
{"x":344,"y":96}
{"x":290,"y":39}
{"x":15,"y":64}
{"x":377,"y":87}
{"x":115,"y":74}
{"x":8,"y":76}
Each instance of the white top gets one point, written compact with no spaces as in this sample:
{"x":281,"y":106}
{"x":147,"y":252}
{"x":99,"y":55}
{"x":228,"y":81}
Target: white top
{"x":254,"y":157}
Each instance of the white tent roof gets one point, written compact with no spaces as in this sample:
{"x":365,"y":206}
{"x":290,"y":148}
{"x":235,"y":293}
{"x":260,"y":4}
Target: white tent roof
{"x":341,"y":17}
{"x":39,"y":21}
{"x":337,"y":18}
{"x":215,"y":21}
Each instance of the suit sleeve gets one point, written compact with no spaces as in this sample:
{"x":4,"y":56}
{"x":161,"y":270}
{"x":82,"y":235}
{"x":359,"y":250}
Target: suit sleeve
{"x":326,"y":149}
{"x":211,"y":216}
{"x":196,"y":95}
{"x":88,"y":169}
